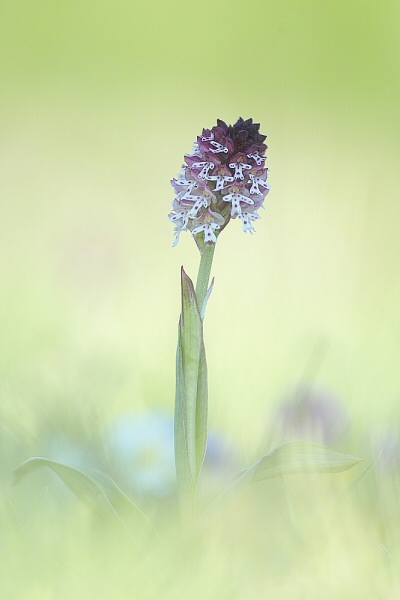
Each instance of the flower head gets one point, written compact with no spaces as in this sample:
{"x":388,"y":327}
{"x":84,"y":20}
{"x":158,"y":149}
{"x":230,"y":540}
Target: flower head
{"x":225,"y":177}
{"x":311,"y":414}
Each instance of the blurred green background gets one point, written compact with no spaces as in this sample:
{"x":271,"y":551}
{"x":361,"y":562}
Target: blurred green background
{"x":99,"y":102}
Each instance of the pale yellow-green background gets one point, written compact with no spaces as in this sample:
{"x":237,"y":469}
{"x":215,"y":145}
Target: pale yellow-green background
{"x":99,"y":102}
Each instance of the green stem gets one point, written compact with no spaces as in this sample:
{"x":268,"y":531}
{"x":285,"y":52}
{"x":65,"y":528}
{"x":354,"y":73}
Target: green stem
{"x":203,"y":277}
{"x":191,"y":386}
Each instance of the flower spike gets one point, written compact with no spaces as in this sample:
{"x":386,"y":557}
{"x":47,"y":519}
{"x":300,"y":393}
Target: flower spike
{"x":226,"y":166}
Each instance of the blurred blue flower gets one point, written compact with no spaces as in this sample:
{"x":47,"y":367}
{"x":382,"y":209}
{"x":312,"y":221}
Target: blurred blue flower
{"x":140,"y":450}
{"x":219,"y":455}
{"x":220,"y":464}
{"x":311,"y":414}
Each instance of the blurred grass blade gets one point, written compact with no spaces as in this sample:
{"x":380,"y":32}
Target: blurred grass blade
{"x":191,"y":391}
{"x":93,"y":487}
{"x":295,"y":458}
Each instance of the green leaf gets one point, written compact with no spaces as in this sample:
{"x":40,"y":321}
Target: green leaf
{"x":182,"y":462}
{"x":289,"y":459}
{"x":191,"y":390}
{"x":297,"y":457}
{"x":93,"y":487}
{"x":201,"y":410}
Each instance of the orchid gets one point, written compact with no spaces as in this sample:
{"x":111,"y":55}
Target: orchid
{"x":223,"y":179}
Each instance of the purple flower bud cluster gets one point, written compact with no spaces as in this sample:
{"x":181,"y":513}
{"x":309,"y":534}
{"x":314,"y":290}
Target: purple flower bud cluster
{"x":225,"y":177}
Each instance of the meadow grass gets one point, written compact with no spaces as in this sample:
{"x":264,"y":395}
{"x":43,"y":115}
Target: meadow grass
{"x":97,"y":106}
{"x":81,"y":347}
